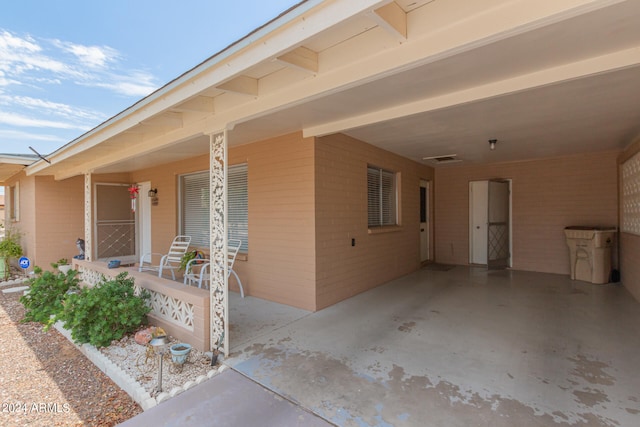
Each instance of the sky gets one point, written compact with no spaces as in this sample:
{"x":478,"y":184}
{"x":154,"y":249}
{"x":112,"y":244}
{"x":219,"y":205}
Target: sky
{"x":68,"y":65}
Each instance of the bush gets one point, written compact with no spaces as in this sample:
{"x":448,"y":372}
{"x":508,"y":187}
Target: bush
{"x":46,"y":294}
{"x":10,"y":248}
{"x":105,"y":312}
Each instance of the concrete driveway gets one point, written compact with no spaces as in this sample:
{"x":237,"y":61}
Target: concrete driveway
{"x":452,"y":347}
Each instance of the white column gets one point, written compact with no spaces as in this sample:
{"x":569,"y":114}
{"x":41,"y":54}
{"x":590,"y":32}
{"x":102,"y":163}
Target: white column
{"x":88,"y":217}
{"x":219,"y":286}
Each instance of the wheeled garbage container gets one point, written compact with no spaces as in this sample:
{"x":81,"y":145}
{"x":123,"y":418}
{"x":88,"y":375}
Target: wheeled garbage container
{"x":590,"y":252}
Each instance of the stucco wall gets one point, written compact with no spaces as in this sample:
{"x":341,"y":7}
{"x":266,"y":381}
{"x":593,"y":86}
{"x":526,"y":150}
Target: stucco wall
{"x":630,"y":243}
{"x":547,"y":196}
{"x":344,"y":270}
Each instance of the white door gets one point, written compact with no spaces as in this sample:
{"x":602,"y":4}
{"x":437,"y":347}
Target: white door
{"x":143,"y":219}
{"x":478,"y":221}
{"x":424,"y":221}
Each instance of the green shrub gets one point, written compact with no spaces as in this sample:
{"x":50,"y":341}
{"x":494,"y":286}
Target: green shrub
{"x":10,"y":248}
{"x":46,"y":294}
{"x":105,"y":312}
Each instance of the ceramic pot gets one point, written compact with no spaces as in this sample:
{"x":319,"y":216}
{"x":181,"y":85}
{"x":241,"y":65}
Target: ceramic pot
{"x":180,"y":352}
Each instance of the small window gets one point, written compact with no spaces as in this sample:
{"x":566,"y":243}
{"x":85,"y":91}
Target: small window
{"x":382,"y":197}
{"x":194,"y":206}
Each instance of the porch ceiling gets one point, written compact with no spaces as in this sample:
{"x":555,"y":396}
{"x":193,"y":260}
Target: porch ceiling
{"x":420,"y":79}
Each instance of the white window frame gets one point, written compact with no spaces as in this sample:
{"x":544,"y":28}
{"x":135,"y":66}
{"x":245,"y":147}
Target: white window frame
{"x":382,"y":197}
{"x":237,"y":208}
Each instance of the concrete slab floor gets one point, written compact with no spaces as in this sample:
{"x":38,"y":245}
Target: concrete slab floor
{"x":463,"y":347}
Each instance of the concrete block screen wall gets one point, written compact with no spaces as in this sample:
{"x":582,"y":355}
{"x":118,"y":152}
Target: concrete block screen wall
{"x":629,"y":241}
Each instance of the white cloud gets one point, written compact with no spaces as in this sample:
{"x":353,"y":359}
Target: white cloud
{"x":53,"y":108}
{"x":20,"y":120}
{"x":23,"y":60}
{"x":137,"y":84}
{"x":90,"y":56}
{"x":15,"y":135}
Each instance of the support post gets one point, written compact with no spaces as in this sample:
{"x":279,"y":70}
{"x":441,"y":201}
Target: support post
{"x":219,"y":286}
{"x":88,"y":217}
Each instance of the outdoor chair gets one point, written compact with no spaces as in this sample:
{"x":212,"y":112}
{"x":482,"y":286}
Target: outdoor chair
{"x":169,"y":261}
{"x":198,"y":270}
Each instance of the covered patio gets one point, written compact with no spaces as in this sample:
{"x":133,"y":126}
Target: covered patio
{"x":452,"y":346}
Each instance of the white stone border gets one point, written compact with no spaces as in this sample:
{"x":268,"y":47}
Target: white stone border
{"x":125,"y":381}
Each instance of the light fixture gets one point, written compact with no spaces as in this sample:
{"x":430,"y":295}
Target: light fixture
{"x":153,"y":192}
{"x":492,"y":144}
{"x":160,"y":345}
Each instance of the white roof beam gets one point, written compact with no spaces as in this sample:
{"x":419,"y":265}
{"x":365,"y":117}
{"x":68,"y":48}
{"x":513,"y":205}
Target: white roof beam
{"x":576,"y":70}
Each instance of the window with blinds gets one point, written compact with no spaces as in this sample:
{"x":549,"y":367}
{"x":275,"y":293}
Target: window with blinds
{"x":194,"y":207}
{"x":381,"y":197}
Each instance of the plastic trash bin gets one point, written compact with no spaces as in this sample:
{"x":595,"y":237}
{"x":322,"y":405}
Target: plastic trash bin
{"x":590,"y":252}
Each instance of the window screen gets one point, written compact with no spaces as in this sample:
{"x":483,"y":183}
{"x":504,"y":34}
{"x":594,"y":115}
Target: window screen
{"x":382,"y":197}
{"x":195,"y":206}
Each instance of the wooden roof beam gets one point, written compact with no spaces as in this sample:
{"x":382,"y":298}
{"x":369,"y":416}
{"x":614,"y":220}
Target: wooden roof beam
{"x":392,"y":18}
{"x":300,"y":58}
{"x":198,"y":104}
{"x":242,"y":84}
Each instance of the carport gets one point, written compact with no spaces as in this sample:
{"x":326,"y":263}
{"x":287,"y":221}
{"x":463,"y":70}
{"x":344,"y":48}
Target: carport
{"x":454,"y":346}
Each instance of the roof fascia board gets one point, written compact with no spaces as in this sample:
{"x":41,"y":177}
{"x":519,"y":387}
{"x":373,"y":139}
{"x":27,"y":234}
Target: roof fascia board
{"x":276,"y":37}
{"x":17,"y":160}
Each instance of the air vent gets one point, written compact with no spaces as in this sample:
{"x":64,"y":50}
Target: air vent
{"x":444,"y":159}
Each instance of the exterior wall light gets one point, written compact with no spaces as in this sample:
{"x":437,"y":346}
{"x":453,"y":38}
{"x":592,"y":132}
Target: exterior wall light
{"x":153,"y":192}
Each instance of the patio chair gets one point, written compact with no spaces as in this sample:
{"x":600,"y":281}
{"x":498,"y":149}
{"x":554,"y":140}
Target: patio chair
{"x":198,"y":270}
{"x":169,"y":261}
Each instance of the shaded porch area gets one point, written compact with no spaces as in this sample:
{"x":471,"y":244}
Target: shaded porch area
{"x":457,"y":347}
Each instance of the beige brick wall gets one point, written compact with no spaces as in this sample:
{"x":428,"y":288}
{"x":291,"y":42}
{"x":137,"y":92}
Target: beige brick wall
{"x":281,"y":261}
{"x":341,"y":214}
{"x":26,"y":222}
{"x":60,"y":219}
{"x":547,"y":195}
{"x":280,"y":265}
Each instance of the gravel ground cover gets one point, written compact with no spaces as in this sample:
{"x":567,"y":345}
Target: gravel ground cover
{"x":46,"y":381}
{"x":142,"y":366}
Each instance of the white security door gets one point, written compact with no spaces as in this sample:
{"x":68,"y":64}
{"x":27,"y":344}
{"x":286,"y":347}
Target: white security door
{"x":114,"y":233}
{"x":424,"y":221}
{"x":478,"y":219}
{"x":498,"y":240}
